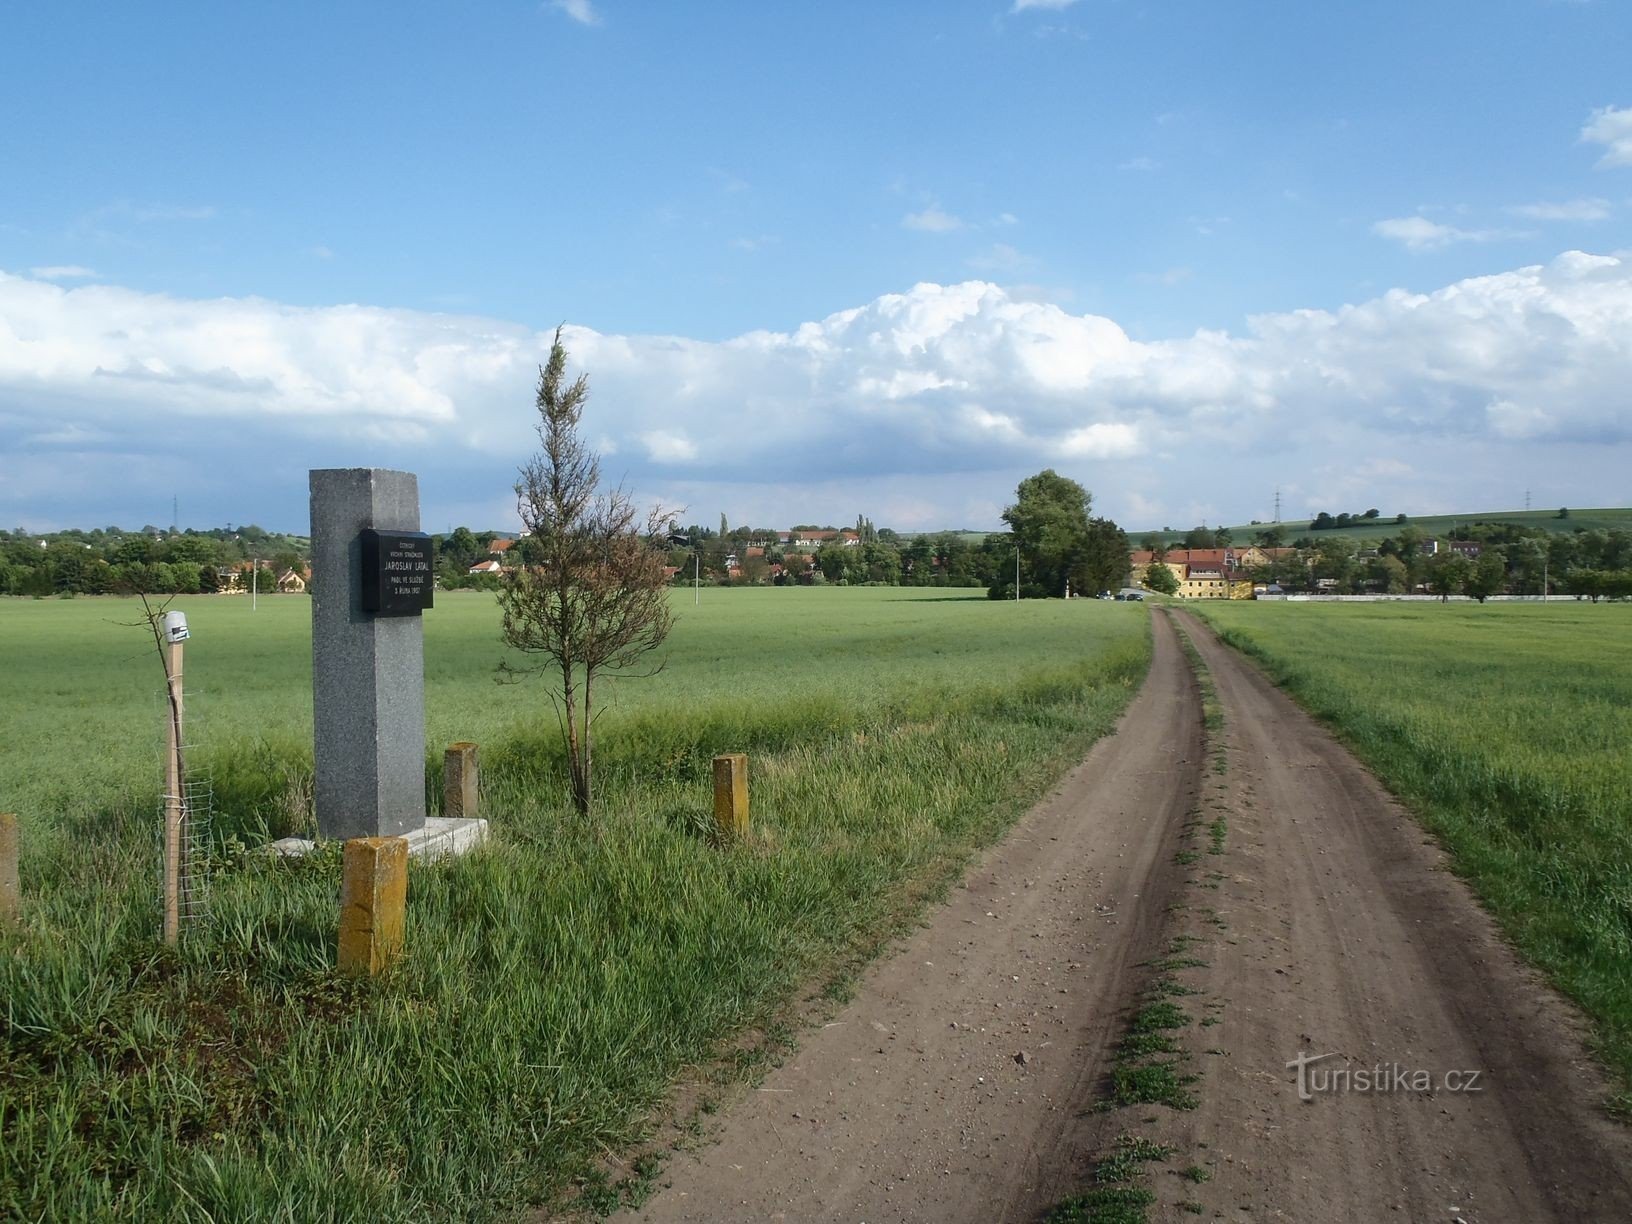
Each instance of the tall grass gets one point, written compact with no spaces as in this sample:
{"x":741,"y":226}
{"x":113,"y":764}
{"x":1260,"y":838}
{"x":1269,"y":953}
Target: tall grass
{"x":556,"y":982}
{"x":1509,"y":729}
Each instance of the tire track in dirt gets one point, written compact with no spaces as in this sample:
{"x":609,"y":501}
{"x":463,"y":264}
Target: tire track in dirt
{"x":953,"y":1087}
{"x":1347,"y":936}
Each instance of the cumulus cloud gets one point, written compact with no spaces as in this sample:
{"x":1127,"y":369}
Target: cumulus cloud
{"x":581,"y":11}
{"x":1593,"y":209}
{"x":58,"y":272}
{"x":1001,"y":257}
{"x":932,"y":220}
{"x":1421,"y":234}
{"x":1611,"y":128}
{"x":109,"y":396}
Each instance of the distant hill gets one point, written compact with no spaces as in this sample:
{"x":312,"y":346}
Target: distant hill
{"x":1433,"y":524}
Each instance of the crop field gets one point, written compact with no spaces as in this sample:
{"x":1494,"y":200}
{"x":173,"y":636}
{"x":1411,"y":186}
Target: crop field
{"x":1508,"y":728}
{"x":555,"y":984}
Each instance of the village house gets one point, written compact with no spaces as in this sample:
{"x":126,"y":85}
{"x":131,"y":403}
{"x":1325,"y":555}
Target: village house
{"x":1201,"y":573}
{"x":814,"y":538}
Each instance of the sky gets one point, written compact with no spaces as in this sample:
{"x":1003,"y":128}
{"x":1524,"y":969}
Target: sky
{"x":818,"y":260}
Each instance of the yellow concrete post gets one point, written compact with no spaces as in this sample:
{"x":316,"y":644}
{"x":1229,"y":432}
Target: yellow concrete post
{"x":11,"y":893}
{"x":459,"y":778}
{"x":731,"y":795}
{"x":373,"y":894}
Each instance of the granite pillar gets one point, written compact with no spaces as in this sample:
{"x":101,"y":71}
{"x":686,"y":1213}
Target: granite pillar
{"x":368,"y":667}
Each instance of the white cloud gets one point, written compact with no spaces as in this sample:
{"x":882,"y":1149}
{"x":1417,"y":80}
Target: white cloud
{"x":1593,"y":209}
{"x":1144,"y":164}
{"x":1611,"y":128}
{"x":667,"y":446}
{"x":932,"y":220}
{"x":757,"y":243}
{"x":1102,"y":440}
{"x":173,"y":212}
{"x":1001,"y":257}
{"x":1421,"y":234}
{"x":1020,"y":6}
{"x":581,"y":11}
{"x":1170,"y":277}
{"x":57,"y":272}
{"x":940,"y":396}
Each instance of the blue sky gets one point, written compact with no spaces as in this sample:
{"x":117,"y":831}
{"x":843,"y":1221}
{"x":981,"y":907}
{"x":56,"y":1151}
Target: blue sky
{"x":819,"y":260}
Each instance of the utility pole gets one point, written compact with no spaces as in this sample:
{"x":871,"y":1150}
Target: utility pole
{"x":1017,"y":573}
{"x":1277,"y":503}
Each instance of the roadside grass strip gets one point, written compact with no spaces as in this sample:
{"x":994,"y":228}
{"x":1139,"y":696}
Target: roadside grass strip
{"x":556,"y":983}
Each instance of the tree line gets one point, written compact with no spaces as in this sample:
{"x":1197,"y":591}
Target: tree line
{"x":1512,"y":559}
{"x":109,"y":560}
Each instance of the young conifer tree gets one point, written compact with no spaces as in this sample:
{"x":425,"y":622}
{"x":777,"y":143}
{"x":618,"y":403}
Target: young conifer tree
{"x":588,"y":592}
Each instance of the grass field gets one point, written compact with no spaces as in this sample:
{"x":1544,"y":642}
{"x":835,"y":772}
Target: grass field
{"x":1509,"y":729}
{"x":555,"y":983}
{"x":1433,"y":524}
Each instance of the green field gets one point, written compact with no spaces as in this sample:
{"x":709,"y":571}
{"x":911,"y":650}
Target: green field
{"x":1508,"y":728}
{"x":1433,"y":524}
{"x":555,"y":983}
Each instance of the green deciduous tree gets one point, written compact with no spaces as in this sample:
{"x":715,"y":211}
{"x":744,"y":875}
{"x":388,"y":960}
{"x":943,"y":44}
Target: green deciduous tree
{"x":1446,"y":574}
{"x":1160,"y":579}
{"x":1058,"y":542}
{"x":1487,"y":576}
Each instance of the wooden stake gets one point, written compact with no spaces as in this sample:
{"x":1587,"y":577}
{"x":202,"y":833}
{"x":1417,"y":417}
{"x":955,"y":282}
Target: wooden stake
{"x":460,"y":774}
{"x":175,"y":815}
{"x":731,"y":795}
{"x":373,"y":897}
{"x":11,"y":893}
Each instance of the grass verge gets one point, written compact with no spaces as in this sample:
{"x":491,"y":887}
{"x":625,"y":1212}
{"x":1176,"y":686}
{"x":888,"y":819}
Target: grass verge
{"x":553,"y":986}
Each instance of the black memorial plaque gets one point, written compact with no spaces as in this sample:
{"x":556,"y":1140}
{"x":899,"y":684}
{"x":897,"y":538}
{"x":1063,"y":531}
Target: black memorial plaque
{"x":399,"y":572}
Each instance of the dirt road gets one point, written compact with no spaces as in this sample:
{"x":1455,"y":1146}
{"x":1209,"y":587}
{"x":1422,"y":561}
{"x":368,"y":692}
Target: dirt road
{"x":961,"y":1082}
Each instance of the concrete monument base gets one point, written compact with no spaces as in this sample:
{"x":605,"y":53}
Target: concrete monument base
{"x":441,"y":836}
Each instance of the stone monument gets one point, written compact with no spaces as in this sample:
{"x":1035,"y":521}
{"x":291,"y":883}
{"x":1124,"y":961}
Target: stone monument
{"x":372,"y":576}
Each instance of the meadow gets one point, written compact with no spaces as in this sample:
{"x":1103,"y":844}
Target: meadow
{"x":1507,"y":728}
{"x":556,"y":983}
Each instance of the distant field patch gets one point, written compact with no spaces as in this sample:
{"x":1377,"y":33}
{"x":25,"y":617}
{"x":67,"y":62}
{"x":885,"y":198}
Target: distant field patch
{"x":1509,"y":729}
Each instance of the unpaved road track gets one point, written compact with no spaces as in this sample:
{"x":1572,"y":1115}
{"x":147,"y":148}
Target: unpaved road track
{"x":959,"y":1083}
